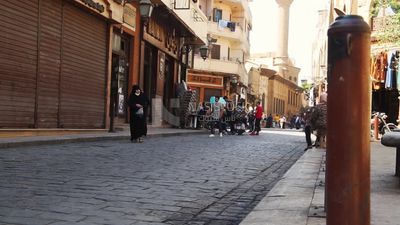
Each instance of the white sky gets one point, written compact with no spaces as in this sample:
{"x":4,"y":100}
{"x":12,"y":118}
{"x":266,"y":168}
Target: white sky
{"x":302,"y":30}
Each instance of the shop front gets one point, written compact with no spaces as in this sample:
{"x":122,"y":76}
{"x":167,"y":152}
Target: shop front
{"x":164,"y":38}
{"x":206,"y":86}
{"x":55,"y":63}
{"x":386,"y":82}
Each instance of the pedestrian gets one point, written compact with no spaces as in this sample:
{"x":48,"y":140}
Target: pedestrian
{"x":216,"y":112}
{"x":258,"y":117}
{"x":297,"y":122}
{"x":137,"y":103}
{"x":251,"y":118}
{"x":229,"y":117}
{"x":307,"y":128}
{"x":276,"y":120}
{"x":293,"y":122}
{"x":318,"y":120}
{"x":282,"y":121}
{"x":270,"y":120}
{"x":201,"y":113}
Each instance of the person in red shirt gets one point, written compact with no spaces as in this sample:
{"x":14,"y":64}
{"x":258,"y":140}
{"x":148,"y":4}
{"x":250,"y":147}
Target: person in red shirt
{"x":259,"y":114}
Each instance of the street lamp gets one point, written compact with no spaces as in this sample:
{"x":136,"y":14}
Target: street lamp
{"x":204,"y":52}
{"x":146,"y":8}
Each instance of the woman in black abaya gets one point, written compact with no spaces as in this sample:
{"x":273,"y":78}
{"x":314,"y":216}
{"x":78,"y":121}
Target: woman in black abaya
{"x":137,"y":104}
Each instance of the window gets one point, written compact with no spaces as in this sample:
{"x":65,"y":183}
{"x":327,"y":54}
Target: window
{"x":215,"y":52}
{"x":217,"y":14}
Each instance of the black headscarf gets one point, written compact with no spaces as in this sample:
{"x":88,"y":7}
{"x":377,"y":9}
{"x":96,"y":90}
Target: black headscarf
{"x":134,"y":99}
{"x":135,"y":87}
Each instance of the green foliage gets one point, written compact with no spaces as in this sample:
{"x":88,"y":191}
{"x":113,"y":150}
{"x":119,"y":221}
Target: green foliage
{"x":378,"y":4}
{"x":390,"y":33}
{"x":306,"y":86}
{"x":306,"y":90}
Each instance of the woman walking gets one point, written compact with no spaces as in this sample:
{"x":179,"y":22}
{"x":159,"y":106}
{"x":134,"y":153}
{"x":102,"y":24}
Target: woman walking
{"x":137,"y":104}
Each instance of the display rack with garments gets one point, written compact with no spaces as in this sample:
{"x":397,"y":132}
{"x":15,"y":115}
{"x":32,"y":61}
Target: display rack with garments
{"x":385,"y":78}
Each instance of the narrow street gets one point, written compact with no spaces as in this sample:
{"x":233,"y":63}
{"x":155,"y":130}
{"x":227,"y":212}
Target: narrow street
{"x":192,"y":179}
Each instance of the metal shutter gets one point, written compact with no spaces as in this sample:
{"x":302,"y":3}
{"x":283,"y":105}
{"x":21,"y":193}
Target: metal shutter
{"x":49,"y":64}
{"x":18,"y":62}
{"x":83,"y":70}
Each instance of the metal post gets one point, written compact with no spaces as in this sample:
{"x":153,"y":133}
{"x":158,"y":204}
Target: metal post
{"x":376,"y":127}
{"x":348,"y":134}
{"x":112,"y":101}
{"x":397,"y":162}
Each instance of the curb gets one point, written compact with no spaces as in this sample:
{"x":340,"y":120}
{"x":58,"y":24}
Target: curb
{"x":291,"y":197}
{"x":66,"y":140}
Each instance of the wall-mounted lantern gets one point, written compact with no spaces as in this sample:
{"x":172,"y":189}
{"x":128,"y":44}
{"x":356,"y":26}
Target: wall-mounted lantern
{"x":146,"y":8}
{"x":204,"y":52}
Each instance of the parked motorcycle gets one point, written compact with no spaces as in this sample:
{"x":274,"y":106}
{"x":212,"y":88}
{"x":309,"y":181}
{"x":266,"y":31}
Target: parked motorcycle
{"x":240,"y":118}
{"x":383,"y":127}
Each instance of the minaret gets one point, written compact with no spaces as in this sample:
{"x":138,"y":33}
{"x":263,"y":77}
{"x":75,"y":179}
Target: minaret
{"x":282,"y":56}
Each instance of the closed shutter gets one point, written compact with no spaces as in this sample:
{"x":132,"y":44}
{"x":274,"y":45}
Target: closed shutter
{"x":18,"y":62}
{"x":83,"y":70}
{"x":49,"y":64}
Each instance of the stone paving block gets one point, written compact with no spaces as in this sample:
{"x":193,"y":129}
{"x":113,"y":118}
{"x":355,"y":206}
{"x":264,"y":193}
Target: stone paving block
{"x":24,"y":220}
{"x":113,"y":221}
{"x":60,"y":216}
{"x":286,"y":189}
{"x":288,"y":203}
{"x":276,"y":217}
{"x":14,"y":212}
{"x":176,"y":178}
{"x":316,"y":221}
{"x":319,"y":196}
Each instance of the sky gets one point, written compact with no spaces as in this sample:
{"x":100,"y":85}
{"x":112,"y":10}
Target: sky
{"x":302,"y":30}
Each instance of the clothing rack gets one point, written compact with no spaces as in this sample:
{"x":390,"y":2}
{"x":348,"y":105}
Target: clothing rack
{"x":376,"y":50}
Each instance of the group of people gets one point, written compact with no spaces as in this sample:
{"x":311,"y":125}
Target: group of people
{"x":221,"y":114}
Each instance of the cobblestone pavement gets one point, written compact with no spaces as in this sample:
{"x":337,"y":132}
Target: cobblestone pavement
{"x":194,"y":180}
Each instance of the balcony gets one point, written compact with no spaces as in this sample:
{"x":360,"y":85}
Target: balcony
{"x":243,"y":4}
{"x":238,"y":35}
{"x":222,"y":66}
{"x":193,"y":18}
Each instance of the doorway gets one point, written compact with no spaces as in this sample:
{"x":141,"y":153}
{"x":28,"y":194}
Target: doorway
{"x":168,"y":84}
{"x":149,"y":78}
{"x":120,"y":78}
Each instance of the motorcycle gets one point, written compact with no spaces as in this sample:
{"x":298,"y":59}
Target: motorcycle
{"x":383,"y":127}
{"x":240,"y":118}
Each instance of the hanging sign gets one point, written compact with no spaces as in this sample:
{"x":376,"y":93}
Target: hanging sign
{"x":130,"y":16}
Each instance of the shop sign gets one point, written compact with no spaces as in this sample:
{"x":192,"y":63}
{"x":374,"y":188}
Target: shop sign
{"x":94,"y":5}
{"x":130,"y":16}
{"x":206,"y":80}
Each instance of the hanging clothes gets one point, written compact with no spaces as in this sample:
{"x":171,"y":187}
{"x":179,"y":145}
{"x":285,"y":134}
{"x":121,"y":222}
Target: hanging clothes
{"x":396,"y":67}
{"x":391,"y":73}
{"x":374,"y":72}
{"x":382,"y":66}
{"x":232,"y":26}
{"x":222,"y":24}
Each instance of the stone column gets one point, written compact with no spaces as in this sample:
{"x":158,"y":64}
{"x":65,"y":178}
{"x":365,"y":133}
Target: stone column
{"x":283,"y":31}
